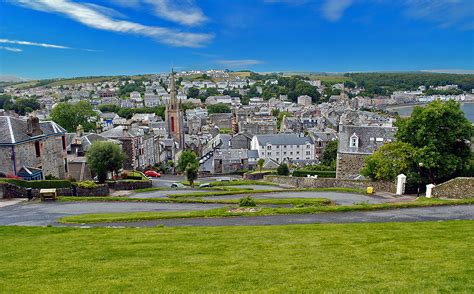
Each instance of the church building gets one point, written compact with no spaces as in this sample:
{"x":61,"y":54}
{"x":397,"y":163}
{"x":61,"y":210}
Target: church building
{"x":174,"y":117}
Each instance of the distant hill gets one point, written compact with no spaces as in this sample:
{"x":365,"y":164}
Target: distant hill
{"x":11,"y":79}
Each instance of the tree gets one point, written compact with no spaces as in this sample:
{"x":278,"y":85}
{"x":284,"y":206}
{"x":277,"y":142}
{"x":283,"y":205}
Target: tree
{"x":218,"y":108}
{"x":389,"y":161}
{"x":4,"y":99}
{"x":193,"y":92}
{"x":441,"y":134}
{"x":69,"y":116}
{"x":260,"y":163}
{"x":192,"y":173}
{"x":104,"y":157}
{"x":330,"y":153}
{"x":283,"y":169}
{"x":187,"y":157}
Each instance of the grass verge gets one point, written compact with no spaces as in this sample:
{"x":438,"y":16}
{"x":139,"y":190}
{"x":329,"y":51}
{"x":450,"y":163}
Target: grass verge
{"x":421,"y":257}
{"x":279,"y":201}
{"x":224,"y":212}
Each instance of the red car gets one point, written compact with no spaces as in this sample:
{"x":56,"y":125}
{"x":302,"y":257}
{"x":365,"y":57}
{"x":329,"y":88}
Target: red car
{"x":152,"y":174}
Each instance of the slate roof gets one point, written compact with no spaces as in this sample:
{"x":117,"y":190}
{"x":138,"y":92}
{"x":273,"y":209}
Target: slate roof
{"x":14,"y":130}
{"x":367,"y":138}
{"x":283,"y":139}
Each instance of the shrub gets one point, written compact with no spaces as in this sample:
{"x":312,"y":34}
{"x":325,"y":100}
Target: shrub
{"x":283,"y":170}
{"x":87,"y":185}
{"x":247,"y":201}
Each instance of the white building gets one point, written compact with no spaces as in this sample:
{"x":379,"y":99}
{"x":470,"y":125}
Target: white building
{"x":283,"y":147}
{"x":304,"y":100}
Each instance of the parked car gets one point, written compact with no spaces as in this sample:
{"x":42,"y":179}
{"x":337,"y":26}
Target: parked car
{"x":152,"y":174}
{"x":177,"y":185}
{"x":205,"y":185}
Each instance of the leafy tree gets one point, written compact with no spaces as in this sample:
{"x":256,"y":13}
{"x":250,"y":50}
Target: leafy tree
{"x":389,"y":161}
{"x":440,"y":133}
{"x":108,"y":108}
{"x":69,"y":116}
{"x":283,"y":169}
{"x":104,"y":157}
{"x":192,"y":173}
{"x":218,"y":108}
{"x":193,"y":92}
{"x":187,"y":158}
{"x":22,"y":105}
{"x":4,"y":99}
{"x":330,"y":153}
{"x":260,"y":163}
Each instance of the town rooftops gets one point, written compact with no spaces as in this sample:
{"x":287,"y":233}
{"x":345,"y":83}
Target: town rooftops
{"x":283,"y":139}
{"x":15,"y":130}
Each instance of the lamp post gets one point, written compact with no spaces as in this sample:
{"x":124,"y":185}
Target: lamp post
{"x":420,"y":166}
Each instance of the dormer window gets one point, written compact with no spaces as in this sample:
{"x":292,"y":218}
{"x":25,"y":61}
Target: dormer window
{"x":354,"y":141}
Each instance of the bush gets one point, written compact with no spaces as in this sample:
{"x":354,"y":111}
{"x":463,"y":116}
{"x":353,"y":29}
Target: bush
{"x":87,"y":185}
{"x":320,"y":174}
{"x":283,"y":170}
{"x":247,"y":201}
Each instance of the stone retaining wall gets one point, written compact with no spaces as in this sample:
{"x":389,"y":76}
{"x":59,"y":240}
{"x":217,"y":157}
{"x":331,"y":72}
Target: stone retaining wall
{"x":129,"y":185}
{"x":255,"y":176}
{"x":331,"y":183}
{"x":457,"y":188}
{"x":12,"y":191}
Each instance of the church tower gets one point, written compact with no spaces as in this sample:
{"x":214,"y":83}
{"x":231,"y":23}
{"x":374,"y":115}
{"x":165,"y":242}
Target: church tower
{"x":174,"y":116}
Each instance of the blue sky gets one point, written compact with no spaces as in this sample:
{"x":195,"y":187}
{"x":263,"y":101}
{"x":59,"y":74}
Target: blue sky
{"x":67,"y":38}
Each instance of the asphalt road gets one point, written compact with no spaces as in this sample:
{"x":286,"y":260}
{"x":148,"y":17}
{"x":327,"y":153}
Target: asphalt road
{"x":440,"y":213}
{"x":45,"y":213}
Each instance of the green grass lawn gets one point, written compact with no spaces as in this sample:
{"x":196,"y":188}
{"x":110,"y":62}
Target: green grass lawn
{"x":320,"y":206}
{"x":418,"y":257}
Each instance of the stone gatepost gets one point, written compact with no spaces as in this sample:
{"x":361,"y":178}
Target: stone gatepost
{"x":429,"y":190}
{"x":401,"y":180}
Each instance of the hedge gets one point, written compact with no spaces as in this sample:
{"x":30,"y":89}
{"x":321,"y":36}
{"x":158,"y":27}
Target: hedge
{"x":319,"y":173}
{"x":39,"y":184}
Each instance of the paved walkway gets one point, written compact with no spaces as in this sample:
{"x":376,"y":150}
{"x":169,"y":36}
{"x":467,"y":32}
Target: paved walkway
{"x":440,"y":213}
{"x":45,"y":213}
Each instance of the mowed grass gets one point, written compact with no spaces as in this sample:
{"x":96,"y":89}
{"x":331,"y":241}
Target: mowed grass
{"x":423,"y":257}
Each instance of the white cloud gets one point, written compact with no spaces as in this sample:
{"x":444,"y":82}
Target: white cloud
{"x":334,"y":9}
{"x":16,"y":42}
{"x":11,"y":49}
{"x":239,"y":62}
{"x":184,"y":12}
{"x":93,"y":18}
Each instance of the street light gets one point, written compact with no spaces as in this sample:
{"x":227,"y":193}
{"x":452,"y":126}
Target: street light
{"x":420,"y":166}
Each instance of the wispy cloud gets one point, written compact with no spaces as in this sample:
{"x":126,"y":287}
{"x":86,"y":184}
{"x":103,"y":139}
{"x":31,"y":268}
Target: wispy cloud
{"x":11,"y":49}
{"x":16,"y":42}
{"x":239,"y":62}
{"x":446,"y":13}
{"x":94,"y":18}
{"x":184,"y":12}
{"x":334,"y":9}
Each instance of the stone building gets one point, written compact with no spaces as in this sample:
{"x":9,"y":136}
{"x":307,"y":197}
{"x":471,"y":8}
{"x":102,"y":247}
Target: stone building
{"x":356,"y":143}
{"x":32,"y":149}
{"x":174,"y":116}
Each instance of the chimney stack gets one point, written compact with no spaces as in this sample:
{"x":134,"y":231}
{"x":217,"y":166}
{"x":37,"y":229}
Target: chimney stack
{"x":33,"y":128}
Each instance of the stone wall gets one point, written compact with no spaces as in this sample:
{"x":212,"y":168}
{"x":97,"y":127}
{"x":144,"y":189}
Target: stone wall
{"x":349,"y":165}
{"x":456,"y":188}
{"x":331,"y":183}
{"x":255,"y":175}
{"x":12,"y":191}
{"x":130,"y":185}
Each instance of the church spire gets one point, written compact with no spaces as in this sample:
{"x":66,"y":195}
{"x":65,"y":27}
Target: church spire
{"x":172,"y":88}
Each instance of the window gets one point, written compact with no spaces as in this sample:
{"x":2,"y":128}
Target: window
{"x":269,"y":147}
{"x":278,"y":153}
{"x":284,"y":146}
{"x":354,"y":141}
{"x":65,"y":165}
{"x":308,"y":152}
{"x":297,"y":146}
{"x":309,"y":146}
{"x":291,"y":153}
{"x":64,"y":142}
{"x":297,"y":152}
{"x":269,"y":153}
{"x":37,"y":149}
{"x":284,"y":153}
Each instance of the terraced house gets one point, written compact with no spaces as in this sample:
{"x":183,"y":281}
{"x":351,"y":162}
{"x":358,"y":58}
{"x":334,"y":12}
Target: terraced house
{"x":32,"y":149}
